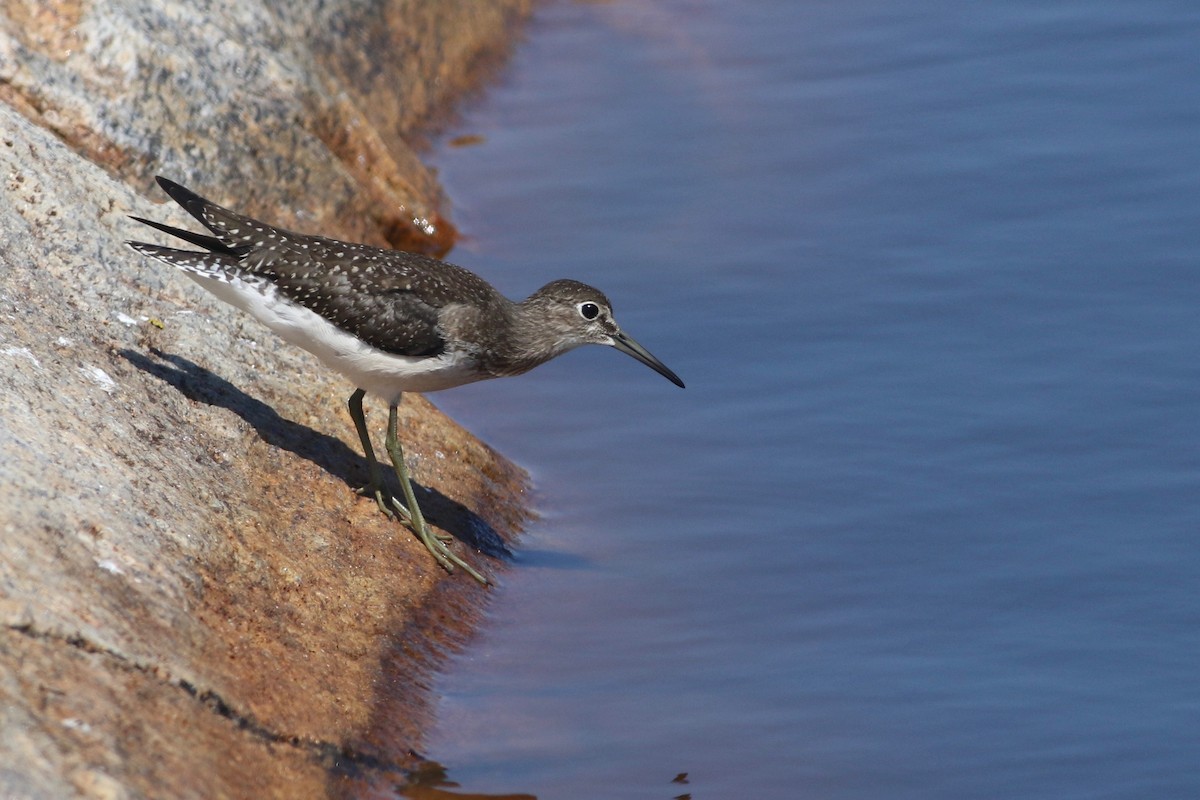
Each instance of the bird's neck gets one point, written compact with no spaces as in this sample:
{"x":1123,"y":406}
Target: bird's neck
{"x":528,"y":342}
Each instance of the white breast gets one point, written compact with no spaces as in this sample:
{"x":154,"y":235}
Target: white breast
{"x":385,"y":375}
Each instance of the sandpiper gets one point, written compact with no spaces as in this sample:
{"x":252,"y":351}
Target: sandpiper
{"x":390,"y":321}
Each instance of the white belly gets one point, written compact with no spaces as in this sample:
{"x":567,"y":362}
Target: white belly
{"x":385,"y":375}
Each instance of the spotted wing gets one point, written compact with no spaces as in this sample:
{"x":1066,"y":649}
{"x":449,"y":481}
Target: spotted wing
{"x":390,"y":299}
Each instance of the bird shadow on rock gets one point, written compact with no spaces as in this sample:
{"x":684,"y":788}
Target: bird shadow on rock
{"x":327,"y":452}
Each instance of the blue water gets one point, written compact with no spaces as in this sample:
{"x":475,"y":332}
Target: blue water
{"x":924,"y":523}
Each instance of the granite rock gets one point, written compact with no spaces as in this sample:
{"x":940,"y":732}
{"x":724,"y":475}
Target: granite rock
{"x":193,"y":600}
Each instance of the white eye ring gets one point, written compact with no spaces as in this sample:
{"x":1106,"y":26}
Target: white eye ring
{"x":588,"y":309}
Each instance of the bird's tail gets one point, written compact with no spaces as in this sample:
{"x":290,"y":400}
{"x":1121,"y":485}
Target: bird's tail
{"x":219,"y":252}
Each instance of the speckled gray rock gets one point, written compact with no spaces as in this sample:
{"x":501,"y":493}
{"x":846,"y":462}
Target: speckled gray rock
{"x":306,"y":108}
{"x":193,"y":603}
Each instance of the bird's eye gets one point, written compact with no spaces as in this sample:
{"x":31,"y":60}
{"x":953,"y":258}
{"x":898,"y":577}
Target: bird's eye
{"x":589,"y":310}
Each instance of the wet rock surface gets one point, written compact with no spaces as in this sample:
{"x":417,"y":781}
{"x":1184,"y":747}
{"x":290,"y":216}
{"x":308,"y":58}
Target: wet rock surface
{"x":193,"y":600}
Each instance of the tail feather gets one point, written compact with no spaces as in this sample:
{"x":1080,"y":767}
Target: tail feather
{"x":219,"y":273}
{"x":199,"y":239}
{"x":229,"y":226}
{"x":215,"y":264}
{"x":222,"y":253}
{"x":192,"y":203}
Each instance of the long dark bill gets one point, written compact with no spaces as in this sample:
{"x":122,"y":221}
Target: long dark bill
{"x":628,"y":346}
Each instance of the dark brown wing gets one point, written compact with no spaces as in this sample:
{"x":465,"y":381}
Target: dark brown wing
{"x":390,"y":299}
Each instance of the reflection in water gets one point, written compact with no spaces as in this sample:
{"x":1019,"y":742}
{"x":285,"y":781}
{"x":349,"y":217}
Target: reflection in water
{"x":430,"y":782}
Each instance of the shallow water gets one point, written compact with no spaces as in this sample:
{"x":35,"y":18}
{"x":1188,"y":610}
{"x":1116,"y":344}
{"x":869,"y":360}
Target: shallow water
{"x":924,"y":522}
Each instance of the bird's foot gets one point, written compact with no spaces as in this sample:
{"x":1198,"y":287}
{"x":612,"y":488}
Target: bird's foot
{"x":407,"y":518}
{"x":437,"y":544}
{"x":377,"y":493}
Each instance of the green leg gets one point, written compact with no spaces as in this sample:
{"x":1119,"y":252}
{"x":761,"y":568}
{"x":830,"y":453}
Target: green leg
{"x":437,"y":548}
{"x":375,"y":487}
